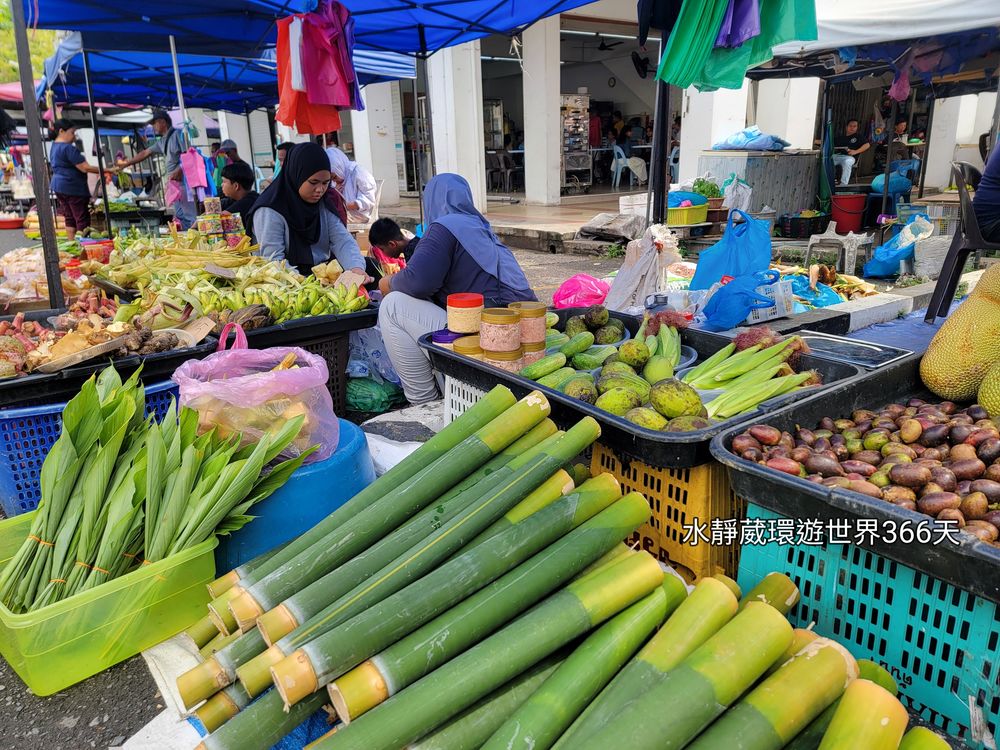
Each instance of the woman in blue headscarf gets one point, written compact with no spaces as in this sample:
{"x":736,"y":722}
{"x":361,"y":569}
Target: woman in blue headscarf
{"x":458,"y":253}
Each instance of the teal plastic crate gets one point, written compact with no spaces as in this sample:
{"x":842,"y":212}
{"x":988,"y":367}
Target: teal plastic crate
{"x":942,"y":644}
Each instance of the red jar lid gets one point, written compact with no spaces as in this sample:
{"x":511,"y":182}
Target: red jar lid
{"x":465,"y":299}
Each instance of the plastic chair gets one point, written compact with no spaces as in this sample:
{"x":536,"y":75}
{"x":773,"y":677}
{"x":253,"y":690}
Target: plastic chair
{"x":510,"y":171}
{"x":492,"y":171}
{"x":967,"y":239}
{"x":847,"y":247}
{"x":617,"y":165}
{"x":970,"y":173}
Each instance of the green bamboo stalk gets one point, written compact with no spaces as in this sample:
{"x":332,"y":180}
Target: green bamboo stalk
{"x":322,"y":639}
{"x":695,"y":693}
{"x":699,"y":617}
{"x":786,"y":702}
{"x":535,"y":635}
{"x":810,"y":737}
{"x":226,"y":581}
{"x":781,"y":349}
{"x":267,"y":732}
{"x":489,"y":407}
{"x":391,"y":510}
{"x":775,"y":589}
{"x":544,"y":716}
{"x":221,"y":707}
{"x":471,"y":728}
{"x":200,"y":682}
{"x":700,"y":370}
{"x":457,"y":629}
{"x":868,"y":716}
{"x":202,"y":631}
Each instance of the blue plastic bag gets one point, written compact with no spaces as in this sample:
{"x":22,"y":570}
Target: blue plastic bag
{"x":886,"y":258}
{"x":821,"y":296}
{"x":744,"y":249}
{"x":898,"y":183}
{"x":733,"y":302}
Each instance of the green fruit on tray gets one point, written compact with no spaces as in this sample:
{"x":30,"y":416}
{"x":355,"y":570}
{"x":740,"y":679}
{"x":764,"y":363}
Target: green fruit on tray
{"x":554,"y":338}
{"x":596,"y":316}
{"x":657,"y":368}
{"x":551,"y":320}
{"x":593,"y":358}
{"x":574,"y":326}
{"x":543,"y":367}
{"x":616,"y":368}
{"x":608,"y":335}
{"x":687,"y":424}
{"x":634,"y":353}
{"x":557,"y":378}
{"x":580,"y":343}
{"x":582,"y":388}
{"x":618,"y":401}
{"x":672,"y":398}
{"x":643,"y":416}
{"x":630,"y":382}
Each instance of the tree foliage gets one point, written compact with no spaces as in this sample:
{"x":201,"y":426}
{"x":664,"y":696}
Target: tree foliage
{"x":40,"y":41}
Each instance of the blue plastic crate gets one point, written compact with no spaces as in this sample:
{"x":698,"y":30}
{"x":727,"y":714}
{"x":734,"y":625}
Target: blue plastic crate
{"x":942,"y":644}
{"x":26,"y":435}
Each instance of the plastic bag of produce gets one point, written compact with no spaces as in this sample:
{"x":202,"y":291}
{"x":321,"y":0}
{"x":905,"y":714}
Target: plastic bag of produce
{"x":734,"y":301}
{"x":373,"y":396}
{"x":886,"y":258}
{"x":645,"y":260}
{"x":253,"y":391}
{"x":369,"y":358}
{"x":580,"y":290}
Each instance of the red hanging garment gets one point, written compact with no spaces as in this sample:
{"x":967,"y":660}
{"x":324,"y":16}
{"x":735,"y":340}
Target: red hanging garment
{"x":326,"y":62}
{"x":294,"y":107}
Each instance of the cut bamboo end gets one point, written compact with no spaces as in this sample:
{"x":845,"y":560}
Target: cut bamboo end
{"x":222,"y":584}
{"x":202,"y":632}
{"x":218,"y":610}
{"x":255,"y":675}
{"x":358,"y":691}
{"x":245,"y":610}
{"x":730,"y":584}
{"x":201,"y":683}
{"x":295,"y":678}
{"x":216,"y":711}
{"x":276,"y":623}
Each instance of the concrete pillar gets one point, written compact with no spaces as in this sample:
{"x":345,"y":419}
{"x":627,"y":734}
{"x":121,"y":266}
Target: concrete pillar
{"x":375,"y":139}
{"x":787,"y":108}
{"x":954,"y":125}
{"x":455,"y":91}
{"x":706,"y":119}
{"x":235,"y":127}
{"x":543,"y":130}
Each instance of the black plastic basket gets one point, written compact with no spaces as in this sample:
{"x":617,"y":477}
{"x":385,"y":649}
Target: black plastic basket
{"x":678,"y":450}
{"x":970,"y":565}
{"x":803,"y":227}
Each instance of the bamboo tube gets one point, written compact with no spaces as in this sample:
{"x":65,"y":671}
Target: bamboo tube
{"x":775,"y":589}
{"x":474,"y":674}
{"x":672,"y":713}
{"x":219,"y":614}
{"x":471,"y":728}
{"x":559,"y":484}
{"x":488,"y":408}
{"x":810,"y":737}
{"x":507,"y":489}
{"x":202,"y":631}
{"x":223,"y":583}
{"x":221,"y":707}
{"x":733,"y":586}
{"x":868,"y":716}
{"x":201,"y":682}
{"x":382,"y":516}
{"x":801,"y":637}
{"x":699,"y":617}
{"x":786,"y":702}
{"x":461,"y":627}
{"x":226,"y":581}
{"x":921,"y":738}
{"x":334,"y":650}
{"x":216,"y":644}
{"x":546,"y":714}
{"x":257,"y":728}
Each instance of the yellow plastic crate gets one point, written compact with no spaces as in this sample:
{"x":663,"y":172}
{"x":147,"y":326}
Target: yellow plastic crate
{"x":679,"y":498}
{"x":689,"y":215}
{"x":59,"y":645}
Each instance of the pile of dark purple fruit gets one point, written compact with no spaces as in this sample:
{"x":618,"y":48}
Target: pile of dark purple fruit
{"x":934,"y":458}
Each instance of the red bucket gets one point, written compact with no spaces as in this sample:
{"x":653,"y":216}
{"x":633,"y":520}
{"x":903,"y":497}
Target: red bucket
{"x":848,"y":210}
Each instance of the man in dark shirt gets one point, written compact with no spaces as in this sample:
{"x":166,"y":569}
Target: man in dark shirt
{"x":846,"y":148}
{"x":987,"y":200}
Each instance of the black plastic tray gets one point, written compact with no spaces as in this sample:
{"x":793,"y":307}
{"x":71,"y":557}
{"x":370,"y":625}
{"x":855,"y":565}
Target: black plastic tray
{"x":675,"y":450}
{"x":971,"y":565}
{"x":295,"y":331}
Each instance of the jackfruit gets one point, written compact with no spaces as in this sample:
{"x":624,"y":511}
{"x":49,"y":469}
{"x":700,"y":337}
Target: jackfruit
{"x":989,"y":391}
{"x":967,"y":345}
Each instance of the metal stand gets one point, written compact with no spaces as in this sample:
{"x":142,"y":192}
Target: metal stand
{"x":39,"y":174}
{"x":889,"y":136}
{"x":97,"y":139}
{"x":927,"y":148}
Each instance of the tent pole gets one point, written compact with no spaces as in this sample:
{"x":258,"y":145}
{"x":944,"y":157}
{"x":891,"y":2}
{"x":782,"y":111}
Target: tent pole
{"x":418,"y":152}
{"x":253,"y":162}
{"x":39,"y":174}
{"x":180,"y":91}
{"x":927,"y":148}
{"x":660,"y":153}
{"x":97,"y":140}
{"x":889,"y":135}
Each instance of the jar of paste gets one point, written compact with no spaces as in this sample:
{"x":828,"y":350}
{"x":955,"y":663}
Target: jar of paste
{"x":445,"y":338}
{"x":509,"y":361}
{"x":533,"y":352}
{"x":468,"y":346}
{"x":500,"y":330}
{"x":464,"y":311}
{"x":532,"y":321}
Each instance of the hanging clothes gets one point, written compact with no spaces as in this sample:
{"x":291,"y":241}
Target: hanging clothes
{"x":691,"y":41}
{"x":294,"y":107}
{"x":741,"y":23}
{"x":328,"y":57}
{"x":657,"y":14}
{"x":193,"y":166}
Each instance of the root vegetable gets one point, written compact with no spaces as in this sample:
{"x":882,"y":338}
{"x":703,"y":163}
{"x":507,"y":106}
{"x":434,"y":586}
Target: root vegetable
{"x":765,"y":434}
{"x":952,"y":514}
{"x":935,"y":502}
{"x":910,"y":476}
{"x":823,"y":465}
{"x":974,"y":506}
{"x":971,"y":468}
{"x":982,"y":530}
{"x":785,"y":465}
{"x":988,"y":487}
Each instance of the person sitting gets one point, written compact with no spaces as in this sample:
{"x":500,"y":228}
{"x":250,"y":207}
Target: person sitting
{"x":986,"y":202}
{"x":848,"y":146}
{"x":290,"y":220}
{"x":389,"y":237}
{"x":237,"y":187}
{"x":353,"y":182}
{"x":458,"y":253}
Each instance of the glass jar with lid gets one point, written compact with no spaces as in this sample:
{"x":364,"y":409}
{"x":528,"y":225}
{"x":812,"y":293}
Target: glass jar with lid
{"x":532,"y":322}
{"x":500,"y":330}
{"x":464,"y":312}
{"x":533,"y":352}
{"x":510,"y":361}
{"x":468,"y":346}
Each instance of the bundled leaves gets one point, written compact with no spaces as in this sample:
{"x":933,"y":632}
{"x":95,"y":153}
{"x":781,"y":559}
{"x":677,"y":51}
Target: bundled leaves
{"x":119,"y":489}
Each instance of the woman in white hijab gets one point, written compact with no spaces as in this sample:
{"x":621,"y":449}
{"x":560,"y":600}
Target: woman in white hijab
{"x":355,"y":184}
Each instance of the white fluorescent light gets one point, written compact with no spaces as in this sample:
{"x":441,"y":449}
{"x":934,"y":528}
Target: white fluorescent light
{"x":599,"y":35}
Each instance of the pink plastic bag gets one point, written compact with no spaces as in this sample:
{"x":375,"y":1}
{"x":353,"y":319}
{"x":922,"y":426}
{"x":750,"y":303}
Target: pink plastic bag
{"x":174,"y":192}
{"x":580,"y":291}
{"x":240,"y":391}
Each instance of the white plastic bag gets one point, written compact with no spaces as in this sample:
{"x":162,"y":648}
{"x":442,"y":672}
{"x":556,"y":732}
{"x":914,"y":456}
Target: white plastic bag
{"x":640,"y":273}
{"x":738,"y":193}
{"x":369,"y":358}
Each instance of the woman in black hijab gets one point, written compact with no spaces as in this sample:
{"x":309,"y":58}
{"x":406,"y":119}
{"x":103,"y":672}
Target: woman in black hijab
{"x":291,"y":221}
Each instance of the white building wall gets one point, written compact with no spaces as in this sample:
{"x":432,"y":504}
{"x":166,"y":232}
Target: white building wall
{"x":787,"y":108}
{"x":375,"y":139}
{"x":542,"y":135}
{"x":706,"y":119}
{"x":954,"y":124}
